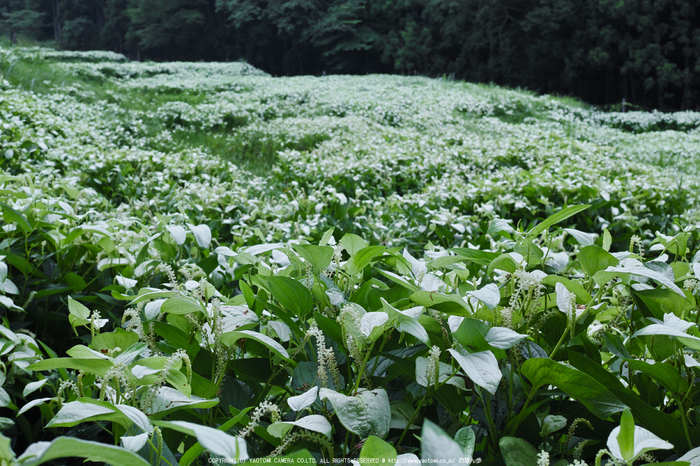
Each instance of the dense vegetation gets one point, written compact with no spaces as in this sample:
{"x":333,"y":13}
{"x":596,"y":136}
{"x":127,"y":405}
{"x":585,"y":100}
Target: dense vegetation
{"x":647,"y":52}
{"x":198,"y":261}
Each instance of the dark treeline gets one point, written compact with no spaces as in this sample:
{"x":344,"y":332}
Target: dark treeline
{"x":645,"y":51}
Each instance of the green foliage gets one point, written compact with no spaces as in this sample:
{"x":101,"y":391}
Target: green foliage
{"x":427,"y":280}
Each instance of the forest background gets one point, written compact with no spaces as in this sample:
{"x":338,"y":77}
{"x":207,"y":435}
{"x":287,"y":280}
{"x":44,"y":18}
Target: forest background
{"x":602,"y":51}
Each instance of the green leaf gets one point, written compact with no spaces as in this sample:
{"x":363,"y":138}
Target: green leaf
{"x":291,"y":294}
{"x":503,"y":338}
{"x":471,"y":333}
{"x":120,"y":338}
{"x":604,"y":276}
{"x":625,"y":438}
{"x":481,"y":367}
{"x":448,"y":303}
{"x":180,"y":306}
{"x":475,"y":255}
{"x":607,"y":239}
{"x":329,"y":327}
{"x":71,"y":447}
{"x":498,"y":225}
{"x":406,"y":321}
{"x":314,"y":423}
{"x":362,"y":258}
{"x":662,"y":372}
{"x":556,"y":218}
{"x":91,"y":366}
{"x":594,"y":259}
{"x":230,"y":338}
{"x":367,"y":413}
{"x":582,"y":296}
{"x":584,"y":388}
{"x":517,"y":452}
{"x":214,"y":440}
{"x":318,"y":256}
{"x":377,"y":449}
{"x":552,"y":423}
{"x":502,"y":262}
{"x":169,"y":399}
{"x":352,"y":243}
{"x":13,"y":216}
{"x":75,"y":412}
{"x":78,"y":313}
{"x":327,"y":235}
{"x":466,"y":439}
{"x":202,"y":234}
{"x":437,"y":447}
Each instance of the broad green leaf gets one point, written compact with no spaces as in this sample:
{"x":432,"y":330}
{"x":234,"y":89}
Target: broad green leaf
{"x":447,"y":303}
{"x":169,"y":399}
{"x":584,"y":388}
{"x":91,"y":366}
{"x":643,"y":441}
{"x":367,"y":413}
{"x":372,"y":325}
{"x":299,"y":402}
{"x":607,"y":239}
{"x":475,"y":255}
{"x":71,"y":447}
{"x":83,"y":352}
{"x":78,"y":313}
{"x":399,"y":280}
{"x":180,"y":306}
{"x":291,"y":294}
{"x":552,"y":423}
{"x":608,"y":274}
{"x":202,"y":234}
{"x":406,"y":321}
{"x":352,"y":243}
{"x":471,"y":333}
{"x":327,"y":235}
{"x":214,"y":440}
{"x":503,"y":338}
{"x":11,"y":215}
{"x":584,"y":239}
{"x":481,"y":367}
{"x":625,"y":437}
{"x":362,"y":258}
{"x":498,"y":225}
{"x":582,"y":296}
{"x":318,"y":256}
{"x":660,"y":329}
{"x":556,"y":218}
{"x":178,"y":233}
{"x":437,"y":447}
{"x":662,"y":372}
{"x":377,"y":449}
{"x":230,"y":338}
{"x":517,"y":452}
{"x":490,"y":295}
{"x":593,"y":259}
{"x":466,"y":439}
{"x":31,"y":387}
{"x":314,"y":423}
{"x":503,"y":262}
{"x":120,"y":338}
{"x":76,"y":412}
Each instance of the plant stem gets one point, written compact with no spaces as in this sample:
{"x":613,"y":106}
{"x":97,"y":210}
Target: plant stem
{"x":410,"y":421}
{"x":684,"y":419}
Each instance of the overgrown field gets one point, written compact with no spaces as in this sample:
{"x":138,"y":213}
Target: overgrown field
{"x":200,"y":261}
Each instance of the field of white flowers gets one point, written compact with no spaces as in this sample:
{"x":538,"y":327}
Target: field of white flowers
{"x":342,"y":212}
